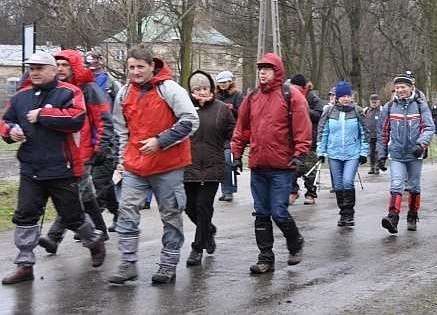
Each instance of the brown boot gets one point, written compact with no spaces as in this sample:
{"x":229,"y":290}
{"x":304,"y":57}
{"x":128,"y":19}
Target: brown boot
{"x":21,"y":274}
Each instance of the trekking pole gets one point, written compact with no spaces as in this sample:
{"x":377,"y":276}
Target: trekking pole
{"x":317,"y":165}
{"x":317,"y":178}
{"x":359,"y":179}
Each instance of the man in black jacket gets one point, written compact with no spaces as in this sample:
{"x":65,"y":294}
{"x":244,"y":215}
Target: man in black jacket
{"x":371,"y":115}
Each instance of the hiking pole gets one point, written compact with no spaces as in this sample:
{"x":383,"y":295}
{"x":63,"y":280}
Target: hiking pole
{"x":316,"y":182}
{"x":317,"y":165}
{"x":359,"y":179}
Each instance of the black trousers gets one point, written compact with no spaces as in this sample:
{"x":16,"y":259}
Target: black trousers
{"x":33,"y":196}
{"x":200,"y":209}
{"x":372,"y":152}
{"x":105,"y":190}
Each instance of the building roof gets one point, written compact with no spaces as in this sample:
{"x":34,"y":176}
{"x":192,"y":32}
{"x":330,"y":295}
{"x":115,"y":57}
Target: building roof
{"x":11,"y":55}
{"x":160,"y":28}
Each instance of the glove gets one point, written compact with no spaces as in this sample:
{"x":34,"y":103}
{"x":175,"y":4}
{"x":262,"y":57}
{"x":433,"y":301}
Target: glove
{"x":237,"y":164}
{"x":381,"y":164}
{"x":321,"y":159}
{"x":363,"y":159}
{"x":418,"y":151}
{"x":98,"y":159}
{"x":298,"y":162}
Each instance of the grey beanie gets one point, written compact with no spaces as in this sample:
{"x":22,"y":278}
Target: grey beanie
{"x":199,"y":80}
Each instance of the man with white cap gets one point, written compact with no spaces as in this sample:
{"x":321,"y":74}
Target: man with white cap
{"x":45,"y":117}
{"x":227,"y":93}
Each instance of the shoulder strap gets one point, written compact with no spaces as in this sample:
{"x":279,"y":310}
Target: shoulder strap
{"x":286,"y":92}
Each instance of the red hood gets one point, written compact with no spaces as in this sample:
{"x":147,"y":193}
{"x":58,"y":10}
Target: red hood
{"x":81,"y":74}
{"x":161,"y":73}
{"x":278,"y":66}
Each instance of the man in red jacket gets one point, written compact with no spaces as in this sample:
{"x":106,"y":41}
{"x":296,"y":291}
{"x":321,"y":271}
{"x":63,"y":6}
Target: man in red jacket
{"x":278,"y":144}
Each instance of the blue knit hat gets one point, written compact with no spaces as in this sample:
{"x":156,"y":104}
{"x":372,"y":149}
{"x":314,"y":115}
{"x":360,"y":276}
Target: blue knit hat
{"x":343,"y":88}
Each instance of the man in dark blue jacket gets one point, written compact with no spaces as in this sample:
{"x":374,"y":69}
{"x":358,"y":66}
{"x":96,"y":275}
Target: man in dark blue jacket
{"x":45,"y":117}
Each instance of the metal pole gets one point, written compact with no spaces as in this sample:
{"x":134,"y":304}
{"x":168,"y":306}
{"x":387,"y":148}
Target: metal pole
{"x":275,"y":27}
{"x":262,"y":27}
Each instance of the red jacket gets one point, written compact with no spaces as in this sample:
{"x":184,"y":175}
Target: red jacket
{"x":147,"y":115}
{"x":97,"y":135}
{"x":262,"y":122}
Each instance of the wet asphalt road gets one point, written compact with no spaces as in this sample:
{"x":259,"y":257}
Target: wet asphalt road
{"x":360,"y":270}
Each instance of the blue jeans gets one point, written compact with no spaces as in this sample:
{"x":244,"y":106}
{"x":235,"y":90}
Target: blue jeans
{"x":405,"y":171}
{"x":168,"y":189}
{"x":343,"y":173}
{"x":227,"y":186}
{"x":270,"y":192}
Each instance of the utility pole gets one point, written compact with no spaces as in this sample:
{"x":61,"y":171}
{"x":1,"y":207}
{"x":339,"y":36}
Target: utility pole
{"x":269,"y":38}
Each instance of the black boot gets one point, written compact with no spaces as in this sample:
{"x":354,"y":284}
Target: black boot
{"x":390,"y":222}
{"x":339,"y":194}
{"x":347,"y":210}
{"x":294,"y":240}
{"x":264,"y":240}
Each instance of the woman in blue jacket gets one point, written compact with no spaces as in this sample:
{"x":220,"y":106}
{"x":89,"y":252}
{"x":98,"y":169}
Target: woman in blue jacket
{"x":342,"y":137}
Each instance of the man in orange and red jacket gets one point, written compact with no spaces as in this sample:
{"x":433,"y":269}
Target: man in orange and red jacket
{"x":278,"y":144}
{"x":96,"y":140}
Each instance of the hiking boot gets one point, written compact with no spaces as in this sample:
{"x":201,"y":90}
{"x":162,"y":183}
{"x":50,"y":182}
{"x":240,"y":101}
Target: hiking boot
{"x":346,"y":220}
{"x":226,"y":197}
{"x":262,"y":267}
{"x":210,"y":244}
{"x":195,"y":258}
{"x":98,"y":252}
{"x":412,"y":219}
{"x":390,"y":222}
{"x":309,"y":200}
{"x":294,"y":259}
{"x":165,"y":274}
{"x":292,"y":198}
{"x":48,"y":244}
{"x":21,"y":274}
{"x":127,"y":271}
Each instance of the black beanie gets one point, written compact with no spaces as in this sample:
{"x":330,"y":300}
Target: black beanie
{"x":403,"y":78}
{"x":299,"y":79}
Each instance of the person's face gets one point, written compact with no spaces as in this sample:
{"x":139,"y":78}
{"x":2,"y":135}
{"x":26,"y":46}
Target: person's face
{"x":64,"y":70}
{"x":41,"y":74}
{"x":332,"y":98}
{"x":374,"y":103}
{"x":224,"y":85}
{"x":403,"y":90}
{"x":202,"y":91}
{"x":139,"y":70}
{"x":345,"y":100}
{"x":265,"y":74}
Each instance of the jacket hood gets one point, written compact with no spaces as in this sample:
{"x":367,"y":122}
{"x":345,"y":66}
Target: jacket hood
{"x":81,"y":75}
{"x":211,"y":81}
{"x":278,"y":67}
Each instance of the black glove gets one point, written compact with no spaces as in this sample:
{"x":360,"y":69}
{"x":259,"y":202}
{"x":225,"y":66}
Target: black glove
{"x":381,"y":164}
{"x":363,"y":159}
{"x":98,"y":159}
{"x":298,"y":162}
{"x":418,"y":151}
{"x":321,"y":159}
{"x":237,"y":164}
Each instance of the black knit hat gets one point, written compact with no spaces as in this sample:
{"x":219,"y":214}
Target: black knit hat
{"x":299,"y":79}
{"x":403,"y":78}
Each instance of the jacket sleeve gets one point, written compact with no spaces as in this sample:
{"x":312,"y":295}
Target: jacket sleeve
{"x":383,"y":133}
{"x":301,"y":123}
{"x":68,"y":117}
{"x":241,"y":135}
{"x":316,"y":107}
{"x":99,"y":114}
{"x":187,"y":120}
{"x":323,"y":132}
{"x":427,"y":126}
{"x":120,"y":125}
{"x":228,"y":121}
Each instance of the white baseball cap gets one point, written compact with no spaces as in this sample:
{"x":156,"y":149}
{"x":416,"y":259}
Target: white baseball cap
{"x":224,"y":76}
{"x":41,"y":58}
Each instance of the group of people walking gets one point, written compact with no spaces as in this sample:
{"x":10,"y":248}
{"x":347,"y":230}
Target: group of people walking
{"x":182,"y":144}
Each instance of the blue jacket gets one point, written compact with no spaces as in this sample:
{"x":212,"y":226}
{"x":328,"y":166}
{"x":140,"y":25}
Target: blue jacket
{"x":409,"y":124}
{"x":342,"y":134}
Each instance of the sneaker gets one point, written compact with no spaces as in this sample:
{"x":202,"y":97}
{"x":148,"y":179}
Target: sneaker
{"x":412,"y":219}
{"x":309,"y":200}
{"x":48,"y":244}
{"x":165,"y":274}
{"x":346,"y":220}
{"x":127,"y":271}
{"x":195,"y":258}
{"x":293,"y":198}
{"x":390,"y":222}
{"x":262,"y":267}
